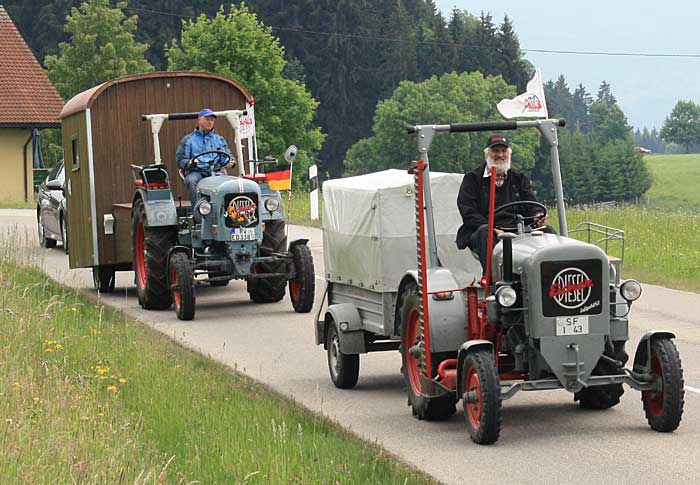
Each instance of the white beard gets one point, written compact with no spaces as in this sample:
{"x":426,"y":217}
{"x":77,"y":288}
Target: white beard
{"x":501,"y":168}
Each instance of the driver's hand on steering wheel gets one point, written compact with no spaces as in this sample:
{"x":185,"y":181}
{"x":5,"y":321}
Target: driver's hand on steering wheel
{"x":230,"y":163}
{"x":540,"y":220}
{"x":498,"y":231}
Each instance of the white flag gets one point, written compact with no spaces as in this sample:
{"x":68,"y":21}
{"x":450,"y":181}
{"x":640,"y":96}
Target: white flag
{"x":248,"y":122}
{"x":530,"y":104}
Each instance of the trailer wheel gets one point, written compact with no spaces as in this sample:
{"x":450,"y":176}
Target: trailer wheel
{"x":482,"y":406}
{"x":103,"y":278}
{"x":303,"y":286}
{"x":47,"y":242}
{"x":664,"y":408}
{"x":434,"y":408}
{"x":270,"y":290}
{"x":344,"y":368}
{"x":151,"y":246}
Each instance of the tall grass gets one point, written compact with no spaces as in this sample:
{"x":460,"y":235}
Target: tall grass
{"x":297,"y":207}
{"x":87,"y":396}
{"x":662,"y":247}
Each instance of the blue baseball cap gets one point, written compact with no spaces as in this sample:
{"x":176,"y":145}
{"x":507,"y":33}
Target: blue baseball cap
{"x":206,"y":112}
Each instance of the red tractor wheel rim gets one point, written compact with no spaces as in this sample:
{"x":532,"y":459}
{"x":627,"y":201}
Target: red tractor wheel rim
{"x":140,"y":255}
{"x":655,"y":400}
{"x":295,"y":289}
{"x":174,"y":281}
{"x":413,"y":338}
{"x":473,"y":385}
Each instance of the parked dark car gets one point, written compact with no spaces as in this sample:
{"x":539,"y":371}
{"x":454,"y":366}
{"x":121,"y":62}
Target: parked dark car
{"x":51,"y":211}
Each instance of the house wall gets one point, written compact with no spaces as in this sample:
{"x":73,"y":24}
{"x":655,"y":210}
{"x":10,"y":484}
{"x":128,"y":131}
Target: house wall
{"x":12,"y":188}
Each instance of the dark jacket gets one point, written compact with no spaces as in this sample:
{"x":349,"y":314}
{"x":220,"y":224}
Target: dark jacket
{"x":473,"y":200}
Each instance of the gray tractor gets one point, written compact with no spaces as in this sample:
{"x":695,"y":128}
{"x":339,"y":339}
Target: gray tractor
{"x":236,"y":230}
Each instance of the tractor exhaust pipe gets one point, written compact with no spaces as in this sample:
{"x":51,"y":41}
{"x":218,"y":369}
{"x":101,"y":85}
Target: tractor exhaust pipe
{"x":507,"y":240}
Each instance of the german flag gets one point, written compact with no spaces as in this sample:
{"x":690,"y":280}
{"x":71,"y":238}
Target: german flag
{"x":279,"y":177}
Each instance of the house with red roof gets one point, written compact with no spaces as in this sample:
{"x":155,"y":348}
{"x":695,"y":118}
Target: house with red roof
{"x":28,"y":101}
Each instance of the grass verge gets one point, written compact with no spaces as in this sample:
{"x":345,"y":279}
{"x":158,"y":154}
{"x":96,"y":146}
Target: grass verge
{"x":16,"y":204}
{"x":88,"y":396}
{"x":297,"y":207}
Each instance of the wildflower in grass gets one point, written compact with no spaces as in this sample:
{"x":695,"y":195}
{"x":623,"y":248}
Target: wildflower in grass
{"x":72,"y":309}
{"x":8,"y":421}
{"x":122,"y":380}
{"x":84,"y":418}
{"x":48,"y":350}
{"x":95,"y":331}
{"x":36,"y":400}
{"x":17,"y":386}
{"x":100,"y":414}
{"x":112,"y":388}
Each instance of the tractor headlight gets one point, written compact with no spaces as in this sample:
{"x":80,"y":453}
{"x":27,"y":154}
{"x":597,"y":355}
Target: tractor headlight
{"x":271,"y":205}
{"x":631,"y":290}
{"x":506,"y":296}
{"x":204,"y":207}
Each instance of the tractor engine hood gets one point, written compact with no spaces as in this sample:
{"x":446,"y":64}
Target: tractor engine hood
{"x":225,"y":184}
{"x":563,"y":280}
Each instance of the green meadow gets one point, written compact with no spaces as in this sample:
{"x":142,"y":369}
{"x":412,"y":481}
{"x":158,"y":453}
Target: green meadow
{"x":676,"y":184}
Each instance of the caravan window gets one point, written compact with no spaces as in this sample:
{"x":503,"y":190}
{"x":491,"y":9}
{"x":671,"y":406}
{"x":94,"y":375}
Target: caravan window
{"x":74,"y":148}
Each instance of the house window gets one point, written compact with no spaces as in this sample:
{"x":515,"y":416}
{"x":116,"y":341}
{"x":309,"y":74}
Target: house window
{"x":75,"y":154}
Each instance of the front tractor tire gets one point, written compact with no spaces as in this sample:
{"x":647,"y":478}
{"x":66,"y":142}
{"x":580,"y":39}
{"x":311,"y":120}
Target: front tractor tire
{"x":270,"y":290}
{"x":481,"y":401}
{"x":151,"y":246}
{"x":182,"y":285}
{"x":344,"y":368}
{"x":664,"y":408}
{"x":430,"y":408}
{"x":303,"y":286}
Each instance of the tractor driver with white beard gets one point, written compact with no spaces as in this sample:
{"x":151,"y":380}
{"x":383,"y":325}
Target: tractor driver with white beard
{"x":473,"y":199}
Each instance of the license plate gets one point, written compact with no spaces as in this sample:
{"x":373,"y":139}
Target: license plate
{"x":572,"y":325}
{"x":242,"y":233}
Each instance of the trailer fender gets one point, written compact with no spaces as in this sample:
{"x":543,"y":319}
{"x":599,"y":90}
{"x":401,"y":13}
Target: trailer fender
{"x":350,"y":334}
{"x":468,"y":346}
{"x":160,"y":207}
{"x":641,"y":356}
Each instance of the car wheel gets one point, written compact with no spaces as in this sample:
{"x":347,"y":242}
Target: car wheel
{"x":64,"y":233}
{"x":46,"y":242}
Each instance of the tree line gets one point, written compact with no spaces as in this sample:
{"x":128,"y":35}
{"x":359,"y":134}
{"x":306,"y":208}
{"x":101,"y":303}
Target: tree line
{"x":339,"y":67}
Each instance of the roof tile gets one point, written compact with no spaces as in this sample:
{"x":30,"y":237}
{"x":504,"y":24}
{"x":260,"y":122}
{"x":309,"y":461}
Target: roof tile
{"x":27,"y":96}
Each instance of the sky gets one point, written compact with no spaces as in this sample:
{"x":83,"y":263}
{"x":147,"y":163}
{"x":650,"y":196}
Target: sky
{"x":647,"y":88}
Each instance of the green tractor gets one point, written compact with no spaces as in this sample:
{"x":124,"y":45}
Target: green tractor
{"x":236,"y":230}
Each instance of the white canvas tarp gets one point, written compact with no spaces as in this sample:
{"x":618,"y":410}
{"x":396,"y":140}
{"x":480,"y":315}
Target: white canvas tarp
{"x":369,"y":229}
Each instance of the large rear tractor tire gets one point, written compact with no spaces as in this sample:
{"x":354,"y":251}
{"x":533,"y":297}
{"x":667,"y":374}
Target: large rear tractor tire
{"x":103,"y":278}
{"x":151,"y":246}
{"x":344,"y":368}
{"x":413,"y":365}
{"x":270,"y":290}
{"x":303,"y":286}
{"x":664,"y":409}
{"x":182,"y":285}
{"x":482,"y":405}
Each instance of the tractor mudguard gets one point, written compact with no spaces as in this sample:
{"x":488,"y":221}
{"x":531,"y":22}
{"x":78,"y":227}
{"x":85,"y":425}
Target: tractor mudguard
{"x":297,"y":242}
{"x":469,"y":346}
{"x":641,"y":356}
{"x":447,"y":315}
{"x":350,"y":333}
{"x":179,"y":249}
{"x":160,"y":207}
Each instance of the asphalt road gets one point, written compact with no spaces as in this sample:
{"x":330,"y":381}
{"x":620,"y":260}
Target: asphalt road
{"x":545,"y":437}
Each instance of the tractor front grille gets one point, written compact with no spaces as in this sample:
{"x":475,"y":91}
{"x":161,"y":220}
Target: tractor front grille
{"x":572,"y":287}
{"x":241,"y":210}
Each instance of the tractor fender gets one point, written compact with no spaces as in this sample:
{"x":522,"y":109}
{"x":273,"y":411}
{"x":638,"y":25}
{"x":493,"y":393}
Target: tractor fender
{"x":297,"y":242}
{"x":160,"y":207}
{"x":178,"y":249}
{"x":641,"y":356}
{"x":447,"y":316}
{"x":350,"y":332}
{"x":468,"y":346}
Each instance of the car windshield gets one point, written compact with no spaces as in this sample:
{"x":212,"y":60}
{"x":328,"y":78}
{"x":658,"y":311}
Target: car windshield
{"x":56,"y":172}
{"x":61,"y":177}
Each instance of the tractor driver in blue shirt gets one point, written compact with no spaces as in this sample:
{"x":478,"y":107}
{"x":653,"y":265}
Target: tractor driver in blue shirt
{"x":202,"y":139}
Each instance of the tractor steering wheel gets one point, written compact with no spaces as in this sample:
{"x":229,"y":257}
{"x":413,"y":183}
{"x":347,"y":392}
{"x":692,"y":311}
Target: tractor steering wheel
{"x":221,"y":160}
{"x":527,"y":219}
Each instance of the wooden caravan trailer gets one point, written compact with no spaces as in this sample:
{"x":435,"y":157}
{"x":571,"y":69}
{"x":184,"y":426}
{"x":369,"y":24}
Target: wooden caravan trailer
{"x":103,"y":134}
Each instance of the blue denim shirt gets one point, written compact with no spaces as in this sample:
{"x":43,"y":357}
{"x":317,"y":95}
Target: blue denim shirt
{"x":199,"y":142}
